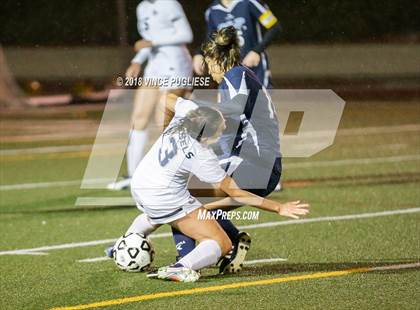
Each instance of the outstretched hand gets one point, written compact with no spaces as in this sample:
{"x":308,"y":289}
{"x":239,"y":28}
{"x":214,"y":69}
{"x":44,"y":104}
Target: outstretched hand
{"x":293,"y":209}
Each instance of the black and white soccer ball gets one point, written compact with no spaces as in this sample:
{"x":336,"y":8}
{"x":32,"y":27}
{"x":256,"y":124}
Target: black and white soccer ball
{"x":133,"y":252}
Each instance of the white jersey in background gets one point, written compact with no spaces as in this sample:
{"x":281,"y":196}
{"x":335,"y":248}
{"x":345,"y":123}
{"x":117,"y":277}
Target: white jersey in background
{"x":163,"y":22}
{"x":160,"y":182}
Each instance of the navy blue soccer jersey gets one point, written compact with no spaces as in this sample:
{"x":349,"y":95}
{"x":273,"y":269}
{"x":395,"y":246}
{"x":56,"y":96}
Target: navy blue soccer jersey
{"x":248,"y":17}
{"x":253,"y":135}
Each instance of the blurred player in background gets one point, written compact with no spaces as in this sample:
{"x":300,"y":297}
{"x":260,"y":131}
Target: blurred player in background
{"x":251,"y":152}
{"x":165,"y":31}
{"x":248,"y":17}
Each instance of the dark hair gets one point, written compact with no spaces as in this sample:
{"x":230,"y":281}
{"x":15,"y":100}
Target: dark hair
{"x":223,"y":47}
{"x":202,"y":122}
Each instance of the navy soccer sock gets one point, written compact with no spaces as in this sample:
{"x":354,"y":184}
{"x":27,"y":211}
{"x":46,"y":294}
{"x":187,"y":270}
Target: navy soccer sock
{"x":183,"y":243}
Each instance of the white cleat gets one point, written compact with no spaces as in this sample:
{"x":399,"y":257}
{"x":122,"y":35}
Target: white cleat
{"x":119,"y":185}
{"x":178,"y":274}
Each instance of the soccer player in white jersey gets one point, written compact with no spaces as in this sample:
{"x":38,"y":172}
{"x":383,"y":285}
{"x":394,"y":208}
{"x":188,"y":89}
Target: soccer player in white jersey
{"x":165,"y":31}
{"x":160,"y":188}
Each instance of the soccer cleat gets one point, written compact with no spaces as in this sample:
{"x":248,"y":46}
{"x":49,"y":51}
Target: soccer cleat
{"x":177,"y":274}
{"x":119,"y":185}
{"x":233,"y":262}
{"x":109,"y":251}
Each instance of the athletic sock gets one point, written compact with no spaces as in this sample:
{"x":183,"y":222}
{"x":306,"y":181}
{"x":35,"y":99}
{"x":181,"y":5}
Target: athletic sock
{"x":142,"y":225}
{"x":184,"y":244}
{"x":228,"y":227}
{"x":135,"y":149}
{"x":205,"y":254}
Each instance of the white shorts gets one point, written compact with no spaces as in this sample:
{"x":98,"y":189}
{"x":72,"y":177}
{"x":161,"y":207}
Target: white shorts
{"x":164,"y":213}
{"x":172,"y":63}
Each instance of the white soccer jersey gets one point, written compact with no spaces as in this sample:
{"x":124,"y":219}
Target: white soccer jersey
{"x":163,"y":22}
{"x":159,"y":184}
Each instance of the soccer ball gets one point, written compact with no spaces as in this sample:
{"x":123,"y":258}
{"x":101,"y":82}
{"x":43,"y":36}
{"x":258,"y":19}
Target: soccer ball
{"x":133,"y":252}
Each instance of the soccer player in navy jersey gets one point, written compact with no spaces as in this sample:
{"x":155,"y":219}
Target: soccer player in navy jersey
{"x":249,"y":148}
{"x":249,"y":17}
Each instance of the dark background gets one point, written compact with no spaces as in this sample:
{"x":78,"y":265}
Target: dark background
{"x":95,"y":22}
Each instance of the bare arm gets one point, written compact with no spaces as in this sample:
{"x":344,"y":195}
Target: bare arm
{"x":292,"y":209}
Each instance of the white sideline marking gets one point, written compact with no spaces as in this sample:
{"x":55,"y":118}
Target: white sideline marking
{"x":253,"y":226}
{"x":311,"y":164}
{"x":87,"y":147}
{"x":394,"y":267}
{"x":332,"y":218}
{"x":50,"y":184}
{"x":264,"y":260}
{"x":356,"y":161}
{"x":59,"y":149}
{"x":94,"y":259}
{"x":46,"y":149}
{"x":105,"y":201}
{"x":248,"y":262}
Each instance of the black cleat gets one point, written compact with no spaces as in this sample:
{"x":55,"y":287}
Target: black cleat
{"x":233,"y":262}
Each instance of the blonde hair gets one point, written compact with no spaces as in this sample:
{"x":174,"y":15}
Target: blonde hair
{"x":223,"y":48}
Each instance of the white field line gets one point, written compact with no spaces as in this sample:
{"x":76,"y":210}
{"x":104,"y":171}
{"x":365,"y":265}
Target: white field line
{"x":87,"y":147}
{"x":47,"y":149}
{"x":394,"y":267}
{"x":49,"y":184}
{"x":356,"y":161}
{"x":252,"y":226}
{"x":311,"y":164}
{"x":94,"y":259}
{"x":248,"y":262}
{"x":58,"y":149}
{"x":264,"y":260}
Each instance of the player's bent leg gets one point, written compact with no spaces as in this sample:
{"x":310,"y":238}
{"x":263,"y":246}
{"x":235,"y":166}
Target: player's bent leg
{"x":183,"y":243}
{"x":213,"y":244}
{"x":204,"y":228}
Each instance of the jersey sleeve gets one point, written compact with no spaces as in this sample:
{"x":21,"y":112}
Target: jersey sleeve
{"x":183,"y":106}
{"x":262,"y":13}
{"x":142,"y":55}
{"x":206,"y":166}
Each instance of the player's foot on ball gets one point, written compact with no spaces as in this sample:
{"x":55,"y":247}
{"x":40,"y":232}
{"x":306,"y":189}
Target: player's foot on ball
{"x":177,"y":274}
{"x":119,"y":185}
{"x":233,"y":262}
{"x":109,"y":251}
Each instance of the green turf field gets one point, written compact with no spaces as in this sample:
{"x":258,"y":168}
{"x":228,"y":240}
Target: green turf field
{"x":372,"y":167}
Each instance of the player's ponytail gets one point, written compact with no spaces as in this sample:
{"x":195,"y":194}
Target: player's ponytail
{"x":223,"y":48}
{"x":200,"y":123}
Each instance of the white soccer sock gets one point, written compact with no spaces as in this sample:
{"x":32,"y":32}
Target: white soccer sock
{"x":135,"y":149}
{"x":142,"y":225}
{"x":207,"y":253}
